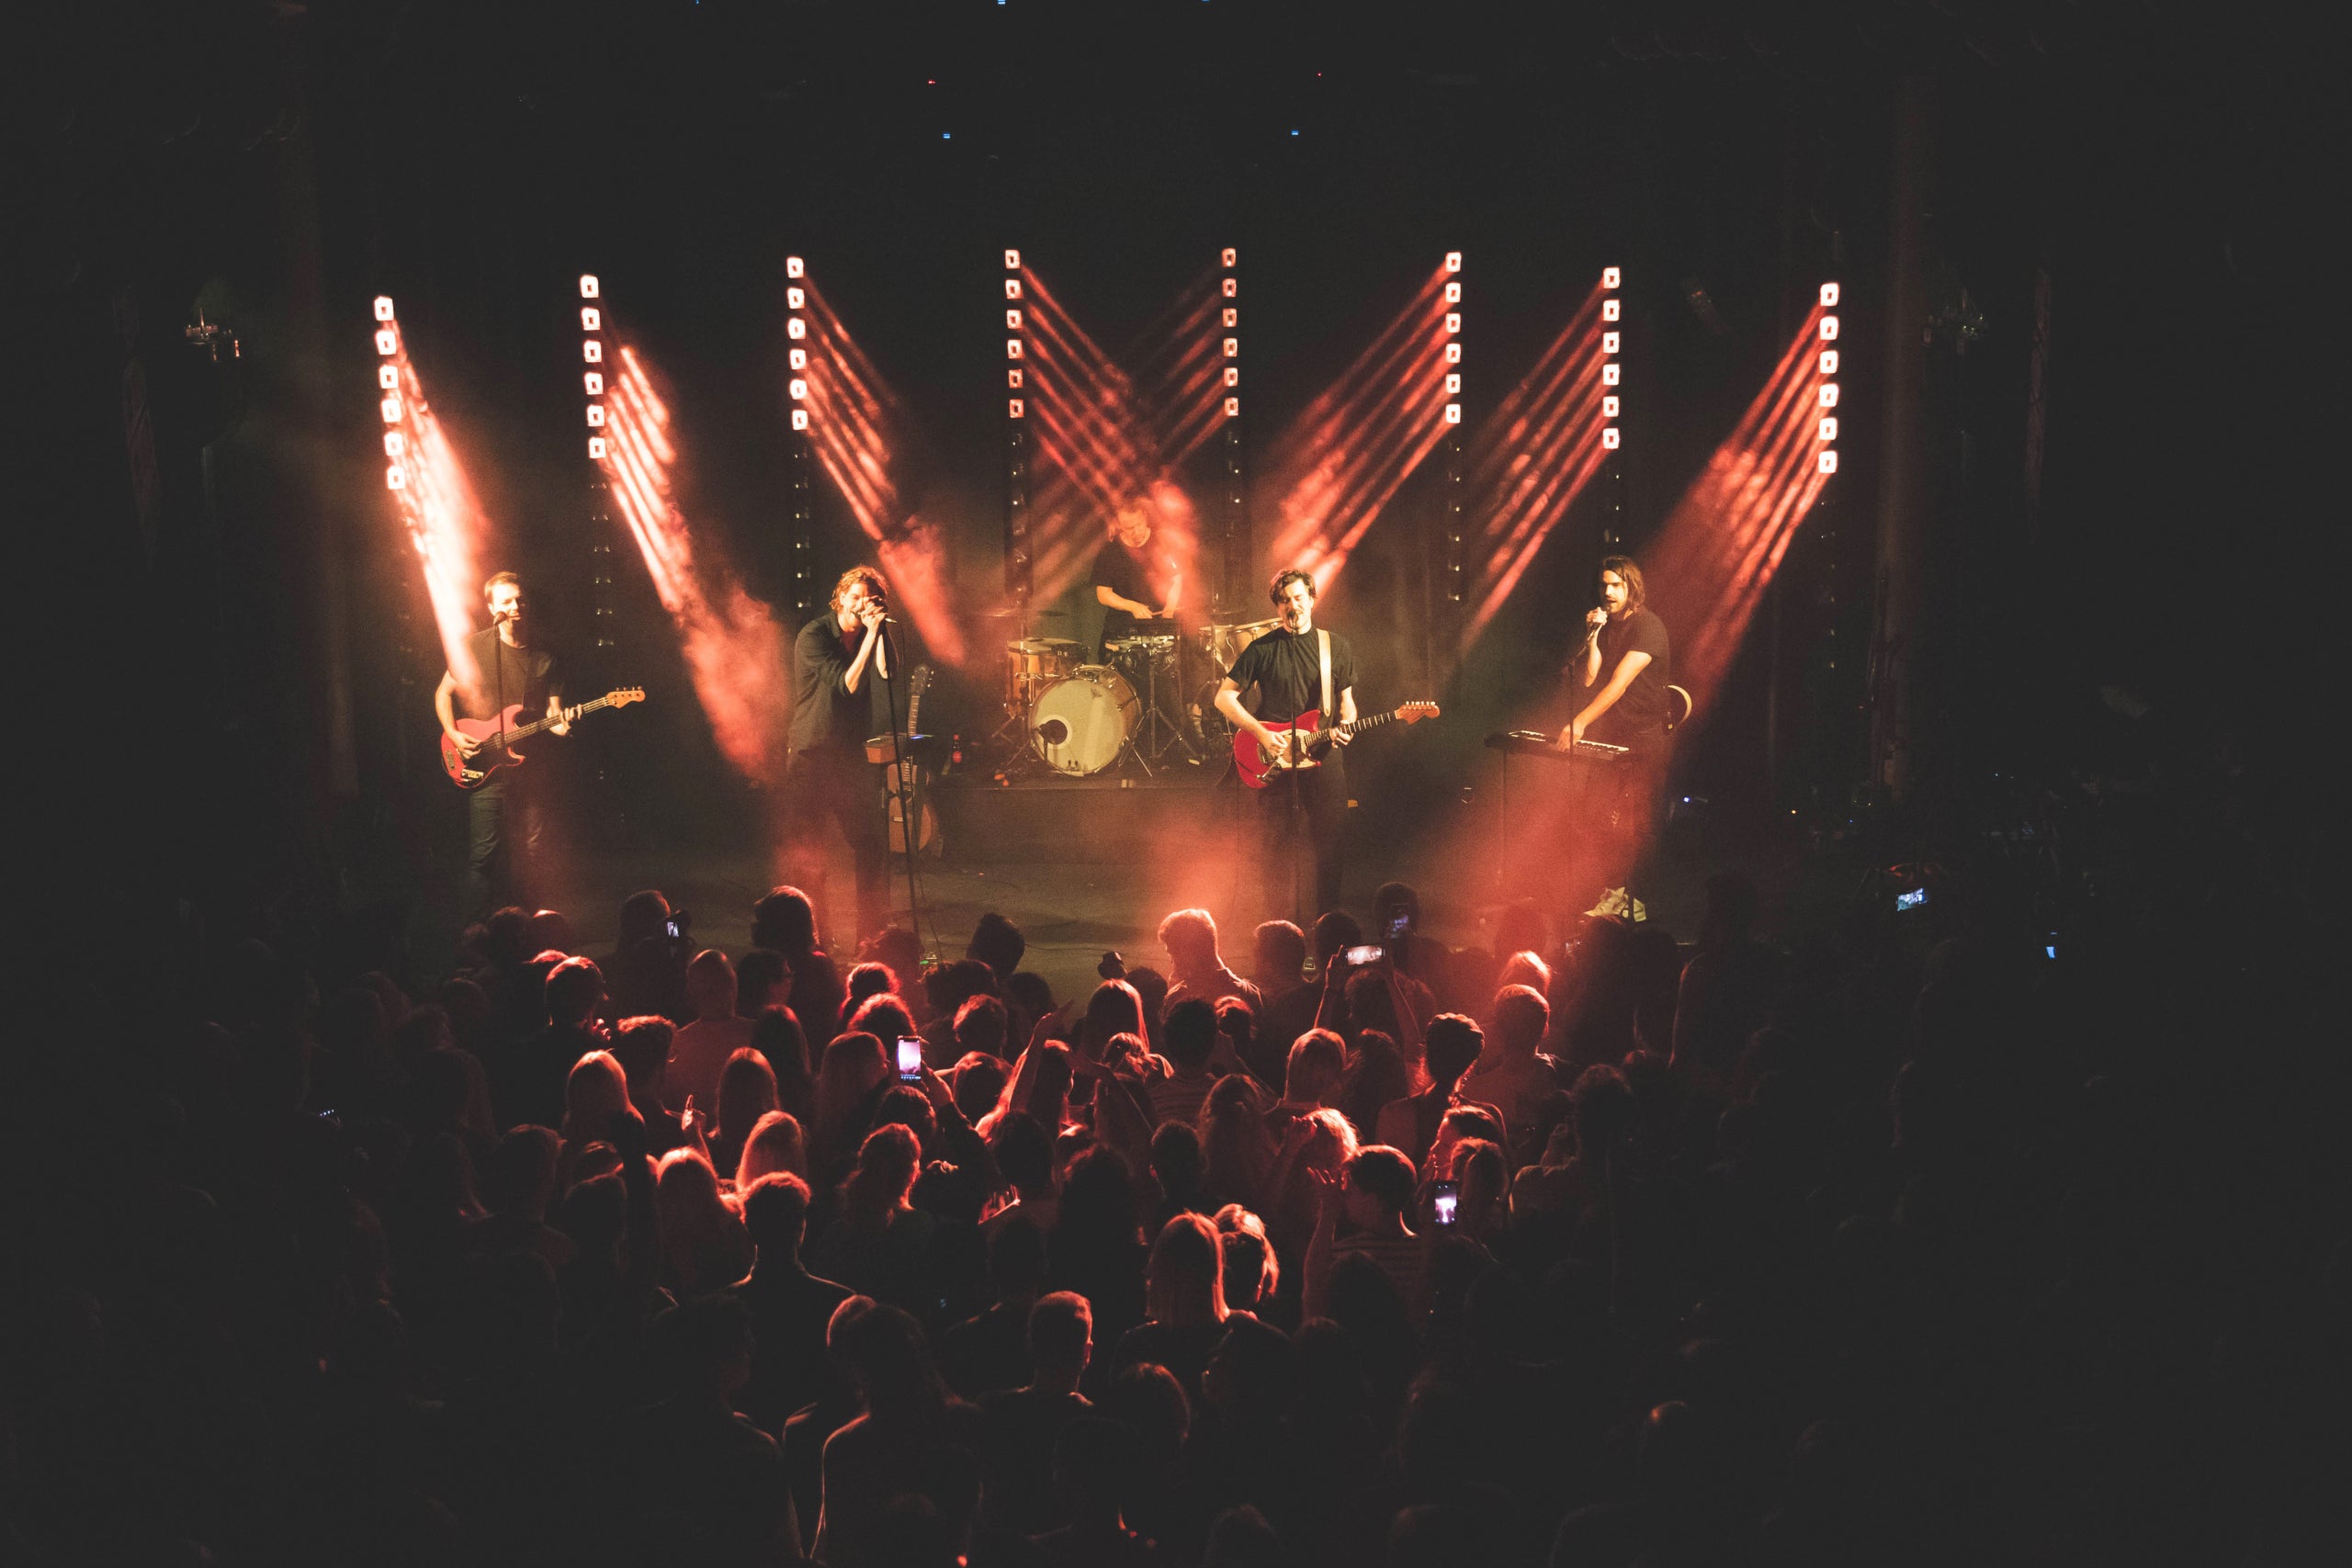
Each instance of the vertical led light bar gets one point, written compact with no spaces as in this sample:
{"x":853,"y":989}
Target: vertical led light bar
{"x":1237,"y":520}
{"x":1612,"y":405}
{"x":1016,"y":430}
{"x":1826,"y":388}
{"x":602,"y":587}
{"x":797,"y":372}
{"x":1453,"y":497}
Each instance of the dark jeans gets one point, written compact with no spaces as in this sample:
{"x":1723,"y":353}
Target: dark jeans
{"x":823,"y":792}
{"x":1299,"y":819}
{"x":504,"y":827}
{"x":1614,"y":814}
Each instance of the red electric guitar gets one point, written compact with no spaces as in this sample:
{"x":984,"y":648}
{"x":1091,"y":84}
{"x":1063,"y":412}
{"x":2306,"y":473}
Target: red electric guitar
{"x":498,"y":737}
{"x":1311,"y":740}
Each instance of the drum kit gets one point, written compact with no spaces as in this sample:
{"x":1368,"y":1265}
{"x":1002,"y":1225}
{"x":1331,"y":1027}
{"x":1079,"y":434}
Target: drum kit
{"x":1078,"y":720}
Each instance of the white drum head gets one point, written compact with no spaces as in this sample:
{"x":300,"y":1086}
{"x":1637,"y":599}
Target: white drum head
{"x":1079,"y":724}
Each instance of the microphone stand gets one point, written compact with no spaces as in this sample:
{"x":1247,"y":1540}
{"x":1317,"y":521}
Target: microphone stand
{"x":909,"y":806}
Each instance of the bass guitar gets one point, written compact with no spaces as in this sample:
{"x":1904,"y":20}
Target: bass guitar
{"x":1308,"y":740}
{"x":498,"y":737}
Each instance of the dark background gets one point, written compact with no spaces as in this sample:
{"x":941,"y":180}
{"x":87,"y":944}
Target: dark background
{"x":211,"y":558}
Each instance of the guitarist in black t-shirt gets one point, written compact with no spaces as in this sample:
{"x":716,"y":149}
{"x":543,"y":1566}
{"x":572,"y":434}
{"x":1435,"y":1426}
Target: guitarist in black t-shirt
{"x":509,"y":669}
{"x":1619,"y":677}
{"x":1285,"y":668}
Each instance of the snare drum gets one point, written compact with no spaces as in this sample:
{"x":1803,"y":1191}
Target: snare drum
{"x":1224,"y":643}
{"x":1136,"y":654}
{"x":1080,"y":722}
{"x":1033,"y":664}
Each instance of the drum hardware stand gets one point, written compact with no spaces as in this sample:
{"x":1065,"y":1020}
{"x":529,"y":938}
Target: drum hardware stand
{"x":1158,"y":734}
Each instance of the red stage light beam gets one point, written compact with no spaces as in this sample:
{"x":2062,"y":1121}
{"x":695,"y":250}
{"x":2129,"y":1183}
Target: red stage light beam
{"x":1726,"y":539}
{"x":445,"y":523}
{"x":848,"y":409}
{"x":1346,"y":454}
{"x":734,"y":649}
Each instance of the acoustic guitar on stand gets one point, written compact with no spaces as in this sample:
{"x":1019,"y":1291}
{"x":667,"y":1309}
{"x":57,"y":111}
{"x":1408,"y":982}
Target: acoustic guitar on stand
{"x":498,"y":737}
{"x":1309,"y":741}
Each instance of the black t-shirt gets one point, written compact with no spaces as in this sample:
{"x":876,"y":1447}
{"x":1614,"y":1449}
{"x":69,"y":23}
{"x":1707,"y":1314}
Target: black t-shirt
{"x":1130,"y":574}
{"x":1643,"y":707}
{"x":827,"y":717}
{"x":1287,"y":670}
{"x":507,"y":676}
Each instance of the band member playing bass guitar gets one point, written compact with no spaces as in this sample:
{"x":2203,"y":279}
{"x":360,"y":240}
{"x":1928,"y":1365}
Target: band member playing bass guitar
{"x":1294,"y":668}
{"x":840,"y":659}
{"x":504,"y":811}
{"x":1619,"y":677}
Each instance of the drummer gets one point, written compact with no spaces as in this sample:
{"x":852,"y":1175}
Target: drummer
{"x":1130,"y":570}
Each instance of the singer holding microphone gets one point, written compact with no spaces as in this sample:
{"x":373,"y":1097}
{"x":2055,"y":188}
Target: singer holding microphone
{"x":839,"y":660}
{"x":1619,"y":677}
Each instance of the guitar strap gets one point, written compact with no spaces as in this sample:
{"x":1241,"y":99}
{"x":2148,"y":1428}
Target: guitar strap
{"x":1323,"y":646}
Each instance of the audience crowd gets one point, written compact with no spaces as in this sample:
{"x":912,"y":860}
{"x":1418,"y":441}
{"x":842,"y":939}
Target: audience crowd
{"x":1574,"y":1248}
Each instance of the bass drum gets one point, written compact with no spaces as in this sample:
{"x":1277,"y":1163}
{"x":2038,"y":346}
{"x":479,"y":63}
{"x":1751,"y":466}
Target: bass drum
{"x":1079,"y":723}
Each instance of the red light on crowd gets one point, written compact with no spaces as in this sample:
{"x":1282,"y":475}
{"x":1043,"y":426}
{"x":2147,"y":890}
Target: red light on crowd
{"x":1454,"y":261}
{"x":1231,"y":257}
{"x":1828,"y":461}
{"x":387,"y":341}
{"x":800,"y":419}
{"x":1828,"y":329}
{"x":1232,"y":288}
{"x":383,"y":307}
{"x":589,"y":287}
{"x":792,"y":268}
{"x":1608,"y":310}
{"x":1608,"y":277}
{"x":1012,"y":261}
{"x":1829,"y":361}
{"x":1829,"y":295}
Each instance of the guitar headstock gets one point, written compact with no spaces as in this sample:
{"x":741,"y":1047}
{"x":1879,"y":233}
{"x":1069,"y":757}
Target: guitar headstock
{"x":625,"y":695}
{"x":1413,"y":713}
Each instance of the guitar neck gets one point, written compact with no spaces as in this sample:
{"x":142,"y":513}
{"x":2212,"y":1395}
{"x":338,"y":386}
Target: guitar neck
{"x":525,"y":731}
{"x":1373,"y":723}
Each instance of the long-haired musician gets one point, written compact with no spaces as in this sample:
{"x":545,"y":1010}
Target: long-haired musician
{"x":1618,"y":678}
{"x":840,"y":659}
